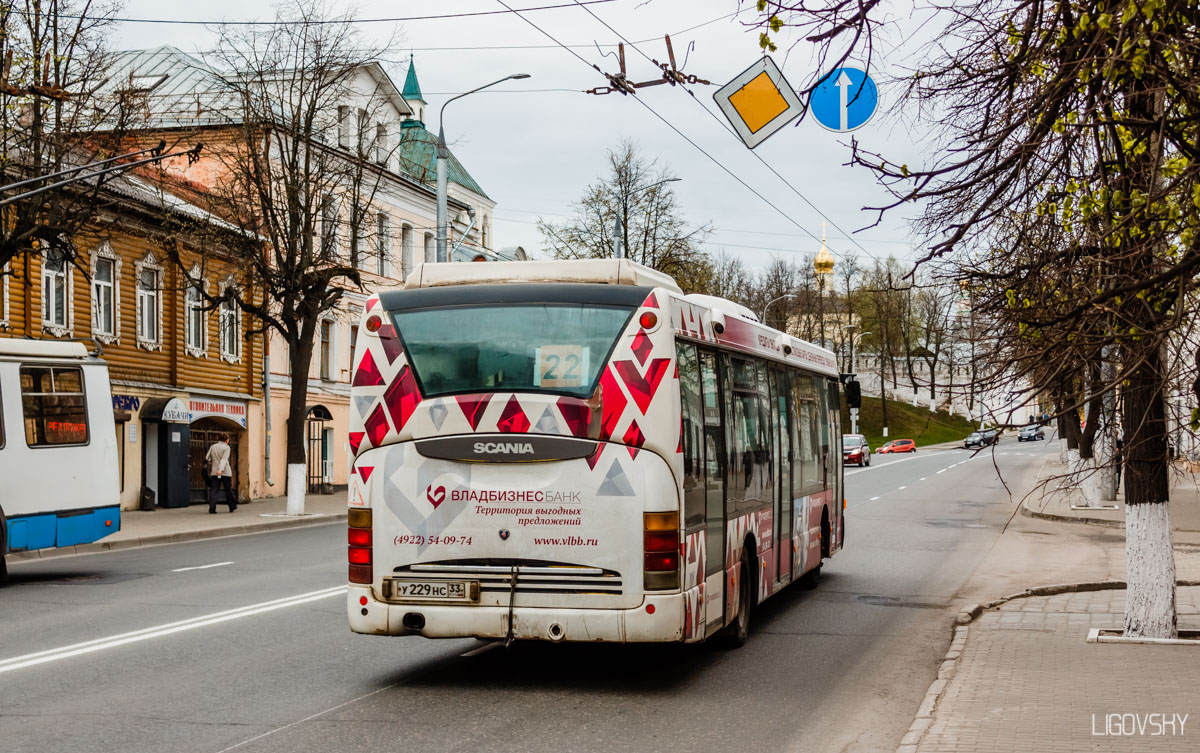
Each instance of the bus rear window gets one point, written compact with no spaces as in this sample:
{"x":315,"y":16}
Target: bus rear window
{"x":54,"y":407}
{"x":557,"y":348}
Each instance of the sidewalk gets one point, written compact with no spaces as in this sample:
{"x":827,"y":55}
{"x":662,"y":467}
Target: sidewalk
{"x":169,"y":525}
{"x":1020,"y":674}
{"x":1027,"y":681}
{"x":1054,"y":503}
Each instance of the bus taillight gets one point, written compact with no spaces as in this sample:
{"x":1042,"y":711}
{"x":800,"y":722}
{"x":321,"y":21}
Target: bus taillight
{"x":359,"y":550}
{"x":660,"y":540}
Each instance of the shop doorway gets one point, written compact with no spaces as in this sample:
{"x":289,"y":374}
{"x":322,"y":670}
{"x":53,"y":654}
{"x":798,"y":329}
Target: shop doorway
{"x":320,"y":450}
{"x":205,"y":432}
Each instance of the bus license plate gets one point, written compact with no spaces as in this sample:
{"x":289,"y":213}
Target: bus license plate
{"x":434,"y":590}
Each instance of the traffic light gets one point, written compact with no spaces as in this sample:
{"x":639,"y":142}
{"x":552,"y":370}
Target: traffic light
{"x":853,"y":394}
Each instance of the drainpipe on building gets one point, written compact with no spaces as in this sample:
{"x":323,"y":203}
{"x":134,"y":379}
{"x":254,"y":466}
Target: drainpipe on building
{"x":267,"y":407}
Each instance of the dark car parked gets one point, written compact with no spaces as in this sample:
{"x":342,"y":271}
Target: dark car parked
{"x":1031,"y":433}
{"x":982,"y":438}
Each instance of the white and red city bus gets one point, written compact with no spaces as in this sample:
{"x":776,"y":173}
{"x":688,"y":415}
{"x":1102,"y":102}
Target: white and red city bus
{"x":575,"y":450}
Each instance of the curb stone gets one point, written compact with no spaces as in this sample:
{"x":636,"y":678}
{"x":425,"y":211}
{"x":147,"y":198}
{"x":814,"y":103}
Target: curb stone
{"x":173,"y":538}
{"x":924,"y":717}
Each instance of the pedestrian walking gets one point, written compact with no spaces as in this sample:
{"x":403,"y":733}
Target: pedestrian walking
{"x":219,"y":473}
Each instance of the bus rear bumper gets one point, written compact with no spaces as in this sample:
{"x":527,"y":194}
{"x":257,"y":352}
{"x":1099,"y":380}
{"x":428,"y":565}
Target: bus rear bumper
{"x":659,"y":619}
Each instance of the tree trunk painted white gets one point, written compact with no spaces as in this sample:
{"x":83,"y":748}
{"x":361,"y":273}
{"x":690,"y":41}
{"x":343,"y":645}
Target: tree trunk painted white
{"x":1107,"y":473}
{"x":297,"y":478}
{"x":1150,"y":571}
{"x":1087,"y":476}
{"x":1062,"y":449}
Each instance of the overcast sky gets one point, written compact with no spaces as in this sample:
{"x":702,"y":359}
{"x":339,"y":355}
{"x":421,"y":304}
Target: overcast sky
{"x":534,"y":145}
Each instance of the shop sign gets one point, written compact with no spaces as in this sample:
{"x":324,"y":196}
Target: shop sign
{"x":175,"y":412}
{"x":207,"y":406}
{"x":131,"y":403}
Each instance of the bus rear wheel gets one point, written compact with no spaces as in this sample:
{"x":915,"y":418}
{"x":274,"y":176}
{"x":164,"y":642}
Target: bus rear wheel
{"x":739,"y":630}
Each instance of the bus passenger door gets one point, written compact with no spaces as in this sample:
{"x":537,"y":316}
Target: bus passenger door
{"x":714,"y":500}
{"x":780,"y":393}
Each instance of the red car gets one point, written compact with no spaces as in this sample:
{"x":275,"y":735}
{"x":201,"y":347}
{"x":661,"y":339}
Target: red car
{"x":898,"y":445}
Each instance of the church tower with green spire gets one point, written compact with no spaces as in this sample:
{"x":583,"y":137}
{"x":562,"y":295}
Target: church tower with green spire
{"x":412,"y":92}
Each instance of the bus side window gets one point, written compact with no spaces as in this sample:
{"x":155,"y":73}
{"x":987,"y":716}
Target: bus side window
{"x":692,"y":436}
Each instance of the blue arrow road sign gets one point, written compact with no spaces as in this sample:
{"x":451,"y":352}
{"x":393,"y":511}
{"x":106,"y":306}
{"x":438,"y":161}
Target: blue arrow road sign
{"x":845,"y":99}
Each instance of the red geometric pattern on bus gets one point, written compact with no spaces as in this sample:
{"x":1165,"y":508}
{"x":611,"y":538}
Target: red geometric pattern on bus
{"x":642,"y":346}
{"x":634,"y":439}
{"x":372,"y":302}
{"x":356,"y":438}
{"x":402,"y":398}
{"x":390,"y":342}
{"x":577,"y":414}
{"x":376,"y":426}
{"x":614,"y":403}
{"x":679,"y":449}
{"x":651,"y":302}
{"x":513,"y":420}
{"x":595,"y":456}
{"x":473,"y":407}
{"x":367,"y":374}
{"x":642,"y":388}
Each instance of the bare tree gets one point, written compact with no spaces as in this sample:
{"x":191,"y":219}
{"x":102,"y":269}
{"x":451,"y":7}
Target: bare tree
{"x":653,"y":230}
{"x":52,"y":58}
{"x":299,"y":177}
{"x":1067,"y":169}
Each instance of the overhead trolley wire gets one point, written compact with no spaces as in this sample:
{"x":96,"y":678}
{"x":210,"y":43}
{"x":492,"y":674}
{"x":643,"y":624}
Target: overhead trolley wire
{"x":582,"y":4}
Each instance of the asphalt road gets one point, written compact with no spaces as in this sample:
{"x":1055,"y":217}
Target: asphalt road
{"x":241,"y":644}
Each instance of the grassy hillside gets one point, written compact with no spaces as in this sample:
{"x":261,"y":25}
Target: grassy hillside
{"x":906,"y":422}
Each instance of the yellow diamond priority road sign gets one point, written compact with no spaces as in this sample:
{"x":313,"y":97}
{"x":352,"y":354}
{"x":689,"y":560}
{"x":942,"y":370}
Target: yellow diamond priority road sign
{"x":758,"y":102}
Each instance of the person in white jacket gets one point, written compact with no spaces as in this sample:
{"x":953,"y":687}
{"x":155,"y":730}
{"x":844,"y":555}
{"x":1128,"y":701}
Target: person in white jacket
{"x":219,"y":474}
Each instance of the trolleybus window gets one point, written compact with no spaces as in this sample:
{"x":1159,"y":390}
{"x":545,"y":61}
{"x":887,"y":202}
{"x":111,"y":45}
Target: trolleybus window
{"x":55,"y":412}
{"x":536,"y":347}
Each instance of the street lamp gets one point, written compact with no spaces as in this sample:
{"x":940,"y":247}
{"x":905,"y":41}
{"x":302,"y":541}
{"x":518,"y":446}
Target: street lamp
{"x":619,"y":226}
{"x":443,"y":154}
{"x":763,"y":318}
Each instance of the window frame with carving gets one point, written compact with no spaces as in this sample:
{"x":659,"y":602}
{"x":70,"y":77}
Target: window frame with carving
{"x":148,"y":263}
{"x":111,"y":336}
{"x":231,"y":347}
{"x":51,"y":326}
{"x":195,"y":343}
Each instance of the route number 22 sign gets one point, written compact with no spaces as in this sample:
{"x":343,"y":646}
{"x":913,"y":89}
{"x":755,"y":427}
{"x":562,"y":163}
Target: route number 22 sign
{"x":560,"y":366}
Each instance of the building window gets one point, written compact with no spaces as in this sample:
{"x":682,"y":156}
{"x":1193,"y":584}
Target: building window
{"x":326,"y":349}
{"x":56,"y":293}
{"x":363,"y":126}
{"x":383,"y":243}
{"x":231,"y":325}
{"x":54,"y":406}
{"x":343,"y":126}
{"x":329,"y":218}
{"x":483,"y":233}
{"x":195,"y":322}
{"x":406,"y":250}
{"x":106,"y":295}
{"x":148,"y":275}
{"x":381,"y":144}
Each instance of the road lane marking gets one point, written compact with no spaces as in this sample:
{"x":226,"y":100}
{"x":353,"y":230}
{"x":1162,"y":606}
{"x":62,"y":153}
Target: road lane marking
{"x":943,"y":470}
{"x":112,"y":641}
{"x":201,"y":567}
{"x":922,"y":478}
{"x":903,"y":487}
{"x":872,"y":499}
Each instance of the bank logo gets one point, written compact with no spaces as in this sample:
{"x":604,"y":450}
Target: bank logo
{"x":504,"y":534}
{"x":435,"y":495}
